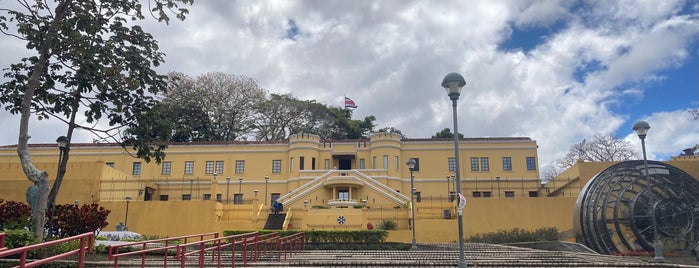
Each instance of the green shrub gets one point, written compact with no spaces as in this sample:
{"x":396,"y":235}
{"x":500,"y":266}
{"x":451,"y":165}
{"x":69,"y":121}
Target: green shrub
{"x":387,"y":225}
{"x":516,"y":235}
{"x":18,"y":238}
{"x":360,"y":236}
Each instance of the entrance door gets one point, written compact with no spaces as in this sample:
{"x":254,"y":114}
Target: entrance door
{"x":345,"y":163}
{"x":274,"y":197}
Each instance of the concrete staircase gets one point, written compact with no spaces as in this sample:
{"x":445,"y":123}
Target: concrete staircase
{"x":275,"y":221}
{"x":427,"y":255}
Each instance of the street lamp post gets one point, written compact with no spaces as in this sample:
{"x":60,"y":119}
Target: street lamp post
{"x":126,"y":218}
{"x":228,"y":187}
{"x":641,"y":128}
{"x":62,"y":142}
{"x":411,"y":165}
{"x":266,"y":183}
{"x":453,"y":82}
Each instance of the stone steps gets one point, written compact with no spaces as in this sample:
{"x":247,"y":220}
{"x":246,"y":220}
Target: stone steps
{"x":432,"y":255}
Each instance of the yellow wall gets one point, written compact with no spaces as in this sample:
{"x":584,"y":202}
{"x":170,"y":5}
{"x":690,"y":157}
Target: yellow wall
{"x":90,"y":178}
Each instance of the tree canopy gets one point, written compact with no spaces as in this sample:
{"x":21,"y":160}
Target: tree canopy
{"x":224,"y":107}
{"x":89,"y":57}
{"x":600,"y":148}
{"x":446,"y":133}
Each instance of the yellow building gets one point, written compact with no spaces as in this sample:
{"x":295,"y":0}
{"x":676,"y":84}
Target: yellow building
{"x":323,"y":184}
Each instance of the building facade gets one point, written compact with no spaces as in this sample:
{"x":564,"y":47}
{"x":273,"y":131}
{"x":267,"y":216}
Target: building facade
{"x":322,"y":184}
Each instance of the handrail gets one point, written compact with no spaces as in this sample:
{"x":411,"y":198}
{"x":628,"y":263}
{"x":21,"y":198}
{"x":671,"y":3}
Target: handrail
{"x":217,"y":245}
{"x":113,"y":250}
{"x":2,"y":242}
{"x":292,"y":243}
{"x":85,"y":246}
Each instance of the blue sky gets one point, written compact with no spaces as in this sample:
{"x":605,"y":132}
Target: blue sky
{"x":557,"y":71}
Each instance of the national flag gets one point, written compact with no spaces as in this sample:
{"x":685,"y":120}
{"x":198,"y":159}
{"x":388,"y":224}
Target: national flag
{"x":349,"y":103}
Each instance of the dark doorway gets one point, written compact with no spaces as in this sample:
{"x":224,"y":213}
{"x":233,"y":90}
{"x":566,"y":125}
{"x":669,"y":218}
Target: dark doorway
{"x":148,"y":194}
{"x":345,"y":163}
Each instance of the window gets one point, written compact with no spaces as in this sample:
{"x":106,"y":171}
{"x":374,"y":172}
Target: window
{"x":531,"y":163}
{"x":476,"y":194}
{"x":291,"y":164}
{"x":452,"y":164}
{"x":186,"y":197}
{"x":474,"y":164}
{"x":207,"y":197}
{"x":486,"y":194}
{"x":219,"y":197}
{"x":327,"y":163}
{"x":373,"y":162}
{"x":313,"y":163}
{"x":164,"y":197}
{"x":237,"y":198}
{"x":188,"y":167}
{"x":219,"y":167}
{"x":111,"y":164}
{"x":276,"y":166}
{"x":301,"y":163}
{"x":507,"y":163}
{"x":485,"y":164}
{"x":239,"y":166}
{"x":361,"y":163}
{"x":167,"y":168}
{"x":533,"y":193}
{"x":343,"y":194}
{"x":509,"y":194}
{"x":209,"y":167}
{"x":385,"y":162}
{"x":397,"y":163}
{"x":136,"y":168}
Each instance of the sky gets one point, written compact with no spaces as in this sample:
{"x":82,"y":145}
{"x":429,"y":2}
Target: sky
{"x":555,"y":71}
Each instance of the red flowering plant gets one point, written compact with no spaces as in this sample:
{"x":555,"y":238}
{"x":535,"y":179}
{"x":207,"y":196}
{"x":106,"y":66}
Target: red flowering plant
{"x":14,"y":215}
{"x":70,"y":220}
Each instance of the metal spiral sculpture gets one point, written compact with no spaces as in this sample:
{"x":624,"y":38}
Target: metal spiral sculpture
{"x":612,"y":213}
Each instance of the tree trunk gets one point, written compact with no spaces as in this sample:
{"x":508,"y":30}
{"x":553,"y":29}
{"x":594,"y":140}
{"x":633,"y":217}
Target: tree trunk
{"x":38,"y":177}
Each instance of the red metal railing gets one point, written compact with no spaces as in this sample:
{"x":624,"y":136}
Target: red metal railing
{"x":243,"y":241}
{"x":164,"y":245}
{"x":291,"y":244}
{"x":250,"y":247}
{"x":2,"y":242}
{"x":86,"y":242}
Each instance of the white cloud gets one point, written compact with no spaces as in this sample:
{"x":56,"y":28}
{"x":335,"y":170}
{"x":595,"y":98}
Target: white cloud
{"x":390,"y":59}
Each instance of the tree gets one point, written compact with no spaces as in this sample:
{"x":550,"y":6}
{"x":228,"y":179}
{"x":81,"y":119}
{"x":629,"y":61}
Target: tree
{"x":391,"y":130}
{"x":86,"y":58}
{"x":446,"y":133}
{"x":601,"y":148}
{"x":223,"y":103}
{"x":283,"y":115}
{"x":346,"y":128}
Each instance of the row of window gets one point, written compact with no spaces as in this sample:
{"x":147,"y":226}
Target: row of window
{"x":507,"y":194}
{"x":483,"y":164}
{"x":217,"y":167}
{"x":211,"y":167}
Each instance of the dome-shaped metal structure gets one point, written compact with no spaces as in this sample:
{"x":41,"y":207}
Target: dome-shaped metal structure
{"x":613,"y":213}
